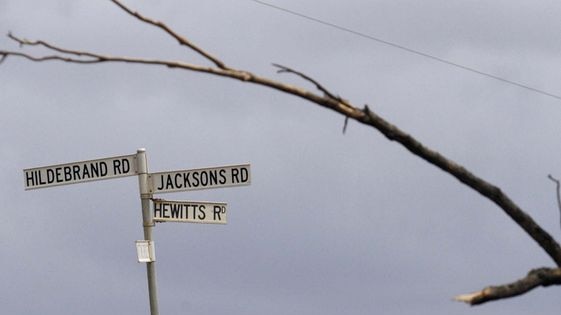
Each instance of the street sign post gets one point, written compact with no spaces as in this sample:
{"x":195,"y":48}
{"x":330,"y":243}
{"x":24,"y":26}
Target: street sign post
{"x":149,"y":184}
{"x":148,"y":225}
{"x":189,"y":211}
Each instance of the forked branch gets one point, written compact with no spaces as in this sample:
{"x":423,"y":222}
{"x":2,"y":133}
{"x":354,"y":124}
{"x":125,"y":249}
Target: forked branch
{"x":333,"y":102}
{"x":182,"y":40}
{"x":283,"y":69}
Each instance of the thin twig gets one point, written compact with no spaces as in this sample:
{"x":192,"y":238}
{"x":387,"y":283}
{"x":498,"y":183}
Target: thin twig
{"x":98,"y":58}
{"x":24,"y":42}
{"x":182,"y":40}
{"x":6,"y":53}
{"x":345,"y":124}
{"x":284,"y":69}
{"x":556,"y":181}
{"x":101,"y":58}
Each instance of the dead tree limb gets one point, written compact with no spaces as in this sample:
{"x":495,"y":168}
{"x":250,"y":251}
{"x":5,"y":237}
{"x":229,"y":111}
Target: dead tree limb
{"x":535,"y":278}
{"x":365,"y":116}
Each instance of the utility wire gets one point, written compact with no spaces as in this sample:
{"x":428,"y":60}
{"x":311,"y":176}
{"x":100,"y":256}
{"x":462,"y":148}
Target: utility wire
{"x":410,"y":50}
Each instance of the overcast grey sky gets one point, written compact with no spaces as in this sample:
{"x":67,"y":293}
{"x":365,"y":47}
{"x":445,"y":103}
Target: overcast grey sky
{"x":332,"y":223}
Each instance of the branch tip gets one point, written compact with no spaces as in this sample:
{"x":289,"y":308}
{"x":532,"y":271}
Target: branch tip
{"x":345,"y":124}
{"x":535,"y":278}
{"x":281,"y":68}
{"x":328,"y":94}
{"x":468,"y":298}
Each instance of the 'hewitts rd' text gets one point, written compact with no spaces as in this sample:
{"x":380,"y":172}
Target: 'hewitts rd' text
{"x":189,"y":211}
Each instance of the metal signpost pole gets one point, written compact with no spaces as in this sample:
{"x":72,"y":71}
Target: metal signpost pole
{"x":149,"y":184}
{"x":148,"y":223}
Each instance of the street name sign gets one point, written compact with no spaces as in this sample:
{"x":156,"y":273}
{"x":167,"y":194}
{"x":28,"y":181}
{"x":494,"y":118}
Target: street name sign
{"x":79,"y":172}
{"x":189,"y":211}
{"x":149,"y":184}
{"x":202,"y":178}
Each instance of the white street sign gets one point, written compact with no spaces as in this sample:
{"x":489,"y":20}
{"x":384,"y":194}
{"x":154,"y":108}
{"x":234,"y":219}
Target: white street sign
{"x":149,"y":184}
{"x":79,"y":172}
{"x":202,"y":178}
{"x":189,"y":211}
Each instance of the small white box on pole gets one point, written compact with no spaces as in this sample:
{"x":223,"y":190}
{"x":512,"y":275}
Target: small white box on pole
{"x":145,"y":251}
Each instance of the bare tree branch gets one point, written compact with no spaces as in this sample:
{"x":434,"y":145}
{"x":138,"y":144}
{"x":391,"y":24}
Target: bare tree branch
{"x":24,"y":42}
{"x":182,"y":40}
{"x":535,"y":278}
{"x":557,"y":184}
{"x":101,"y":58}
{"x":332,"y":102}
{"x":488,"y":190}
{"x":320,"y":87}
{"x":5,"y":53}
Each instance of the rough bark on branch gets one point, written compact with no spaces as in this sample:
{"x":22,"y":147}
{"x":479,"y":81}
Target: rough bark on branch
{"x":535,"y":278}
{"x":331,"y":101}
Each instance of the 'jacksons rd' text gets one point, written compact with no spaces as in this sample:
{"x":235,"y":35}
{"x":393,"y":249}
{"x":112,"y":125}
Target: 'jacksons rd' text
{"x":226,"y":176}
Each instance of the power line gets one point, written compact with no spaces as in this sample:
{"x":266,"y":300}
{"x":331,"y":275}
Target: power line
{"x":410,"y":50}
